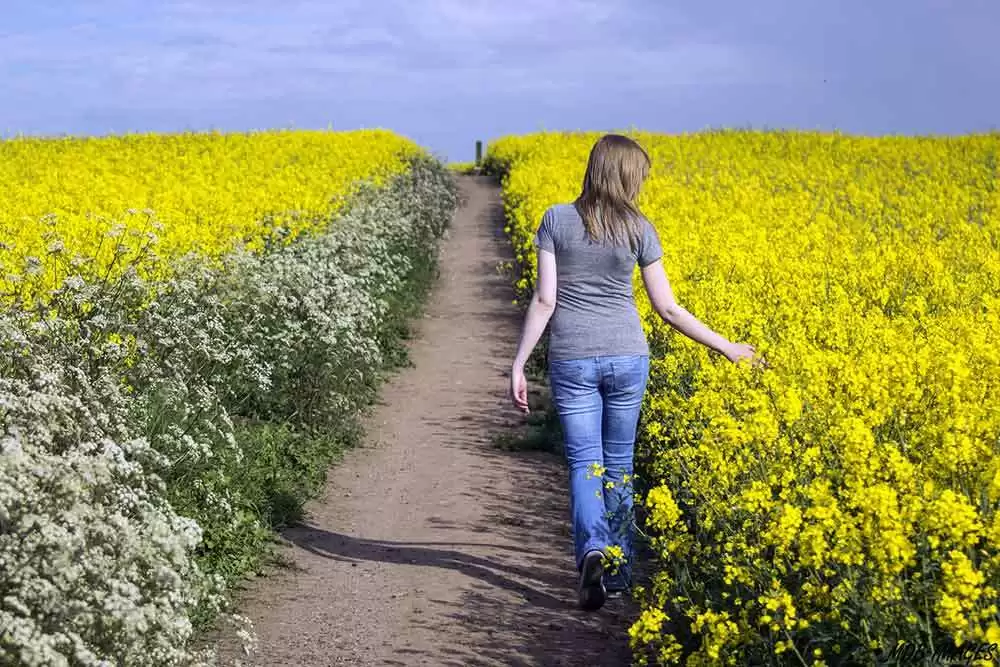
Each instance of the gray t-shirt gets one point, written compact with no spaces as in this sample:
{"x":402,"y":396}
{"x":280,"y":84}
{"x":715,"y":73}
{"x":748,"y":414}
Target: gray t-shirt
{"x":595,"y":313}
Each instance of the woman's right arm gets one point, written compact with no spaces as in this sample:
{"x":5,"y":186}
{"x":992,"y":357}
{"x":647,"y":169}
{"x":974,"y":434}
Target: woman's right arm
{"x":661,"y":296}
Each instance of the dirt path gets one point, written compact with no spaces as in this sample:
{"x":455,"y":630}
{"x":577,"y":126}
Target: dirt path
{"x":432,"y":546}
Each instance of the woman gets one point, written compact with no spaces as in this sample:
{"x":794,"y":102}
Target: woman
{"x":598,"y":358}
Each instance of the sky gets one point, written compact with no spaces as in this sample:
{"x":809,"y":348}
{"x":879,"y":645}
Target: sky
{"x":448,"y":72}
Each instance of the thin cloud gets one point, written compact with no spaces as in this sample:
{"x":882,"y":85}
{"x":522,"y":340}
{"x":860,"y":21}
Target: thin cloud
{"x":428,"y":67}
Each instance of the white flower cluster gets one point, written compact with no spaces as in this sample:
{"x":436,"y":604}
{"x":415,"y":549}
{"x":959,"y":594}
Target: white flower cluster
{"x":120,"y":513}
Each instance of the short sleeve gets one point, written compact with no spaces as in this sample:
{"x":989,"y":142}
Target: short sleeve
{"x":543,"y":237}
{"x":649,"y":250}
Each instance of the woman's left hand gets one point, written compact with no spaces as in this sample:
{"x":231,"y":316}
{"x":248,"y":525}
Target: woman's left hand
{"x":519,"y":389}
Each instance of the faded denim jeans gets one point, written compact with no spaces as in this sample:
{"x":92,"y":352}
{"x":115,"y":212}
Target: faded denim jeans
{"x":598,"y":400}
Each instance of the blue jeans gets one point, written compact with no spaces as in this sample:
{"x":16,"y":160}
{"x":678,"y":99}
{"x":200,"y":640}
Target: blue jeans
{"x":598,"y":400}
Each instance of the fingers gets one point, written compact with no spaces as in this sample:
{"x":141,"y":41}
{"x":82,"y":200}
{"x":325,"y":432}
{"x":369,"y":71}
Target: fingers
{"x":522,"y":396}
{"x":519,"y":395}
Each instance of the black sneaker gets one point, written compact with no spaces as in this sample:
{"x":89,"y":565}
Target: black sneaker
{"x":592,"y":591}
{"x":616,"y":585}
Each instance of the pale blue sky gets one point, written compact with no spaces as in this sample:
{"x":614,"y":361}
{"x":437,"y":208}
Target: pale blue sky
{"x":446,"y":72}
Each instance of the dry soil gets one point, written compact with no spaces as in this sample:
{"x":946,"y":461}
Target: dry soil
{"x":430,"y":545}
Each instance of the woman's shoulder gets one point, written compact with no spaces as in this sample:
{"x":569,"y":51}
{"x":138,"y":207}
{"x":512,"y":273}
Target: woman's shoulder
{"x":562,"y":210}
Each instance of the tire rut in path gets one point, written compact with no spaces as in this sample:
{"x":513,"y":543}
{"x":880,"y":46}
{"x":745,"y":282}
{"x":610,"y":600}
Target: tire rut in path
{"x":430,"y":546}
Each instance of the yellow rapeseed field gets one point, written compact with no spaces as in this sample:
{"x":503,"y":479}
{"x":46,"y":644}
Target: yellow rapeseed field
{"x":819,"y":511}
{"x":206,"y":192}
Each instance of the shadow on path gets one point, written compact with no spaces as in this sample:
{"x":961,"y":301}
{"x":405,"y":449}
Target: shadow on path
{"x":538,"y":625}
{"x":434,"y":546}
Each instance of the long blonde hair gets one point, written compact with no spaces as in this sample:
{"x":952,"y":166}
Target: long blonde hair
{"x":616,"y":170}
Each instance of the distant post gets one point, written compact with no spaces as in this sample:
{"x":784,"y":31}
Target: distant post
{"x":479,"y":153}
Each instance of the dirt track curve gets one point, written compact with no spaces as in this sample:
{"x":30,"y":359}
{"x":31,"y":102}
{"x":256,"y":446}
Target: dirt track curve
{"x":430,"y":545}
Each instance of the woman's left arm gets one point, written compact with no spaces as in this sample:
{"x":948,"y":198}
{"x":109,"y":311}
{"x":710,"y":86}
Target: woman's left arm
{"x":540,"y":309}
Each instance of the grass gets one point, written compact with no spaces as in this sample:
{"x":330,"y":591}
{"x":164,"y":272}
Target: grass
{"x":286,"y":459}
{"x":542,"y":431}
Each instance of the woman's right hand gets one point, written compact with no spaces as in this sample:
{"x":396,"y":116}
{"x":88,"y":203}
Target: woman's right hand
{"x":518,"y":390}
{"x":737,"y":351}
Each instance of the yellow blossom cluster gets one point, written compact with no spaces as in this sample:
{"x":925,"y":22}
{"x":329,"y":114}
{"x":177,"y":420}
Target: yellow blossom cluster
{"x":83,"y":199}
{"x":845,"y":498}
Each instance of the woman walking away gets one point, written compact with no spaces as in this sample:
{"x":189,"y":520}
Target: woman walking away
{"x":598,"y":357}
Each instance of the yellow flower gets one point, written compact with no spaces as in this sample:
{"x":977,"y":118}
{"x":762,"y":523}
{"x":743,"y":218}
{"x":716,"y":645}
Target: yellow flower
{"x":595,"y":470}
{"x":664,"y":512}
{"x":106,"y":199}
{"x":866,"y":271}
{"x":647,"y":627}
